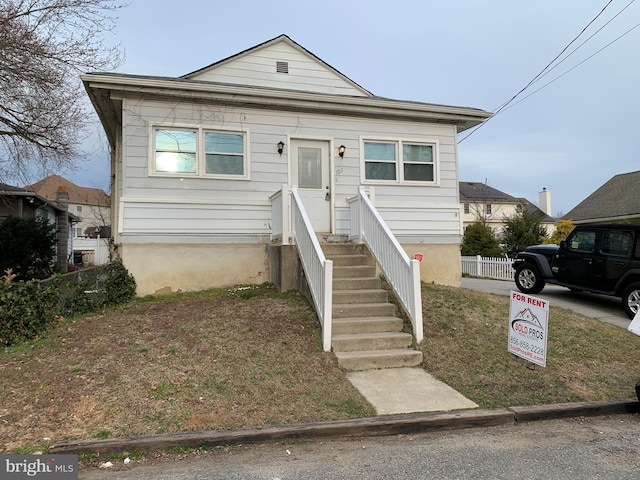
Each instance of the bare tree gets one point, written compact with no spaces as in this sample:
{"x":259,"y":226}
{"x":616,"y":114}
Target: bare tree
{"x":44,"y":46}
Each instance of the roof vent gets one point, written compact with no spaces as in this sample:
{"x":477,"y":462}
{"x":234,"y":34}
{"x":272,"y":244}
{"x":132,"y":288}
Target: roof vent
{"x":282,"y":67}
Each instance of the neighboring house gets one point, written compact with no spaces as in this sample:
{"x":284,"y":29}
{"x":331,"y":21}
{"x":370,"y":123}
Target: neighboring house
{"x":479,"y":201}
{"x":92,"y":206}
{"x":617,"y":201}
{"x":28,"y":205}
{"x":199,"y":161}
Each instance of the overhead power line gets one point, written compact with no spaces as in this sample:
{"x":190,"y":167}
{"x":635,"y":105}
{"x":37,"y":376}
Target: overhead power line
{"x":575,"y":66}
{"x":550,"y":66}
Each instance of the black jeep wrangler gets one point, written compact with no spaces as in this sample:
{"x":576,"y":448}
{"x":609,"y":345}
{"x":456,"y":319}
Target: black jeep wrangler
{"x":601,"y":259}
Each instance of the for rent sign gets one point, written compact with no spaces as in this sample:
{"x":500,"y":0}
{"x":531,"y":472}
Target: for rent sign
{"x":528,"y":321}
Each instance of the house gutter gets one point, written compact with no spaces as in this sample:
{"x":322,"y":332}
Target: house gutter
{"x":616,"y":219}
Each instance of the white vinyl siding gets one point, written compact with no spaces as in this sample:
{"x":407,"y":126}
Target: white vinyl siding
{"x":178,"y":208}
{"x":260,"y":69}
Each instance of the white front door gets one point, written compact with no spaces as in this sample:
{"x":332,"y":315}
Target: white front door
{"x":310,"y":172}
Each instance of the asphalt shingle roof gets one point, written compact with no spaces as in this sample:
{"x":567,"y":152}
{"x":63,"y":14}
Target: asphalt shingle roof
{"x":481,"y":191}
{"x":619,"y":197}
{"x":48,"y":188}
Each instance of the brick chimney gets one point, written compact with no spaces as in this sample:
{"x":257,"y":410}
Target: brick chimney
{"x":62,"y":233}
{"x":544,"y":200}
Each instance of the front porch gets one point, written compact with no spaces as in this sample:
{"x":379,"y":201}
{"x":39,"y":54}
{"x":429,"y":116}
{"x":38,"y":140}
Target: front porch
{"x":340,"y":276}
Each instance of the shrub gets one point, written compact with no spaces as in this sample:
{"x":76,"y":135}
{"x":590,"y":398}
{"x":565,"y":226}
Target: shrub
{"x":27,"y":309}
{"x":120,"y":286}
{"x":28,"y":247}
{"x":478,"y":239}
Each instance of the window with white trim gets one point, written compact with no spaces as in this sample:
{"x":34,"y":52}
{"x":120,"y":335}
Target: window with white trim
{"x":199,"y":152}
{"x":399,"y":161}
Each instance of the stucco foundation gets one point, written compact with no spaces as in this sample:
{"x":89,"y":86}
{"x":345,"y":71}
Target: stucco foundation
{"x":166,"y":268}
{"x":440,"y":263}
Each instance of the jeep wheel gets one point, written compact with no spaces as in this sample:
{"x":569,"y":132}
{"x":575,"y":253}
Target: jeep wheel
{"x":528,"y":279}
{"x":631,"y":299}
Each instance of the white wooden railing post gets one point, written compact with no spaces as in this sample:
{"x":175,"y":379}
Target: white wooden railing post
{"x":327,"y":305}
{"x":479,"y":269}
{"x":417,"y":301}
{"x":286,"y":215}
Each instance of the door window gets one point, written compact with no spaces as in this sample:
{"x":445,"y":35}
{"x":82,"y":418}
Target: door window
{"x":309,"y":167}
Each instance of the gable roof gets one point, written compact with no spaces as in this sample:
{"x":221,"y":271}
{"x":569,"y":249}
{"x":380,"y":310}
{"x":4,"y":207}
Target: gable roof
{"x":477,"y":191}
{"x":107,"y":91}
{"x":535,"y":210}
{"x":616,"y":200}
{"x":37,"y":200}
{"x":287,"y":51}
{"x":48,"y":188}
{"x":480,"y":192}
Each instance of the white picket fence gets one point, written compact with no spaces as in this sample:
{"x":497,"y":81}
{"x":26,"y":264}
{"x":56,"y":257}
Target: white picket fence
{"x":487,"y":267}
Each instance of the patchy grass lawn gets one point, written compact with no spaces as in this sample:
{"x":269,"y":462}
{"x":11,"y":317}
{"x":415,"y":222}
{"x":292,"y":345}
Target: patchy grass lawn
{"x":250,"y":356}
{"x":220,"y":359}
{"x":466,"y":334}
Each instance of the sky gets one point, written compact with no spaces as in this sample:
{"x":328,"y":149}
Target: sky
{"x":569,"y":132}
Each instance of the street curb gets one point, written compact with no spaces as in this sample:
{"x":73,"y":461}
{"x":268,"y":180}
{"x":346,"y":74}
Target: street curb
{"x":375,"y":426}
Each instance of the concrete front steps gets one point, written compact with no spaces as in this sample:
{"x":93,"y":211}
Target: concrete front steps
{"x":366,"y":333}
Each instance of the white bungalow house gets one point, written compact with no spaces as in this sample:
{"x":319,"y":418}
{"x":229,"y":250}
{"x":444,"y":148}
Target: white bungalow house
{"x":213,"y":170}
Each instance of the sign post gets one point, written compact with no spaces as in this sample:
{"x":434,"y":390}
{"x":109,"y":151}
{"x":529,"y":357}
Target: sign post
{"x":528,"y":322}
{"x":634,"y":326}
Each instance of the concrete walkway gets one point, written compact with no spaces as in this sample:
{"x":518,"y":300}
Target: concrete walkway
{"x":407,"y":390}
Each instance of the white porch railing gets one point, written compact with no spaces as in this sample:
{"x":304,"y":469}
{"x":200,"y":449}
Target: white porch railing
{"x":280,"y":216}
{"x":402,"y":273}
{"x":318,"y":270}
{"x":487,"y":267}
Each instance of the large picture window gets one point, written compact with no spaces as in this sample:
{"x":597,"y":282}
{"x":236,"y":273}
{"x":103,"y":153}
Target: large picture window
{"x":199,"y":152}
{"x":399,"y":161}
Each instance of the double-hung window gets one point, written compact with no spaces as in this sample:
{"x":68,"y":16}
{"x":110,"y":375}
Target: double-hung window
{"x":200,"y":152}
{"x":175,"y":151}
{"x":224,"y":153}
{"x":399,"y":161}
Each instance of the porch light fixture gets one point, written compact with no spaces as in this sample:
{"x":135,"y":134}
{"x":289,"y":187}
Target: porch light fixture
{"x":341,"y":150}
{"x":280,"y":147}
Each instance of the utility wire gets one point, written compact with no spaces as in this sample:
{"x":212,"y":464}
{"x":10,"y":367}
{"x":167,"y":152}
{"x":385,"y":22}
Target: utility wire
{"x":583,"y":43}
{"x":575,"y":66}
{"x":552,"y":61}
{"x":549,"y":67}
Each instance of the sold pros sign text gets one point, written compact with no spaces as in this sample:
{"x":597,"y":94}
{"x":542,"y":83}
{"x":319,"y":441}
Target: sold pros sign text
{"x":528,"y":321}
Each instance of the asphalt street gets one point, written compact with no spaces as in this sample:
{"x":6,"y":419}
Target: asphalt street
{"x":601,"y":307}
{"x":596,"y":448}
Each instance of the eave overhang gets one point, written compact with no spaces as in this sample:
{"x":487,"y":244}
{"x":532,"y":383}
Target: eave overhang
{"x":108,"y":90}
